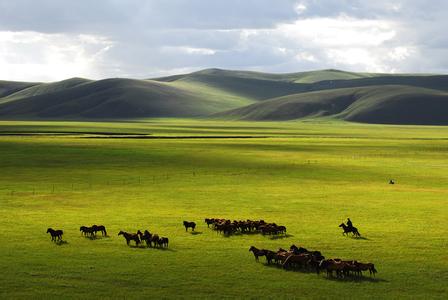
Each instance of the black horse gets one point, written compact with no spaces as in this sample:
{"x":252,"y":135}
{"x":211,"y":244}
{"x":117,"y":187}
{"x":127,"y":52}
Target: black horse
{"x":101,"y":228}
{"x":87,"y":231}
{"x":348,"y":229}
{"x":191,"y":225}
{"x":56,"y":235}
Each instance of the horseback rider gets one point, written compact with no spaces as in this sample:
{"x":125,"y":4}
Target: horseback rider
{"x":349,"y":223}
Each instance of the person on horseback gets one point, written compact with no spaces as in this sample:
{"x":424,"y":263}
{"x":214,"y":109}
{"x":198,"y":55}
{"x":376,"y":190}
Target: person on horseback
{"x":349,"y":223}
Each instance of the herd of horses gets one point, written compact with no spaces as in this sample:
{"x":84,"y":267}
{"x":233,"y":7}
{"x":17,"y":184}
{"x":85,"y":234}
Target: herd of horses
{"x":300,"y":258}
{"x":92,"y":230}
{"x":151,"y":240}
{"x":297,"y":258}
{"x":228,"y":227}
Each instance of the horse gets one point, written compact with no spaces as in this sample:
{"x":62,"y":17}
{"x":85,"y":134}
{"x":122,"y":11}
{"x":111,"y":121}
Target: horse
{"x":130,"y":237}
{"x":270,"y":256}
{"x":56,"y":235}
{"x":155,"y":239}
{"x":101,"y":228}
{"x":257,"y":252}
{"x":209,"y":222}
{"x":85,"y":230}
{"x":299,"y":260}
{"x":164,"y":242}
{"x":191,"y":225}
{"x":296,"y":250}
{"x":366,"y":267}
{"x":331,"y":265}
{"x":347,"y":230}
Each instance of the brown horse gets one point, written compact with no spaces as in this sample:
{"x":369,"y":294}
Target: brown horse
{"x":56,"y":235}
{"x":366,"y":267}
{"x":130,"y":237}
{"x":299,"y":260}
{"x":331,"y":265}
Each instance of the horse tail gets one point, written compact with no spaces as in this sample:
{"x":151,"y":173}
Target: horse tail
{"x":286,"y":260}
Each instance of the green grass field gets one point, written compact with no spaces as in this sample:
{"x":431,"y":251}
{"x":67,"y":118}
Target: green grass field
{"x":308,"y":176}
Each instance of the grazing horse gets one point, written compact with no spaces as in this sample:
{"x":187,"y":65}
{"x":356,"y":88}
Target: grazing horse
{"x":257,"y":252}
{"x":101,"y":228}
{"x":56,"y":235}
{"x":191,"y":225}
{"x":347,"y":230}
{"x":130,"y":237}
{"x":85,"y":230}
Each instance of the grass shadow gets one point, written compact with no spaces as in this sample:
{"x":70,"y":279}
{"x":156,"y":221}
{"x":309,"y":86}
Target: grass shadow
{"x":152,"y":248}
{"x":360,"y":238}
{"x":195,"y":232}
{"x":279,"y":237}
{"x":61,"y":242}
{"x":333,"y":278}
{"x":356,"y":279}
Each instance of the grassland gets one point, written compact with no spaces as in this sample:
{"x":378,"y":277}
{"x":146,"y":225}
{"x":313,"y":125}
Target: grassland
{"x":308,"y":176}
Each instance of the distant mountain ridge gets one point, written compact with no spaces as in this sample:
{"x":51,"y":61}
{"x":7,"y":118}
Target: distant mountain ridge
{"x":247,"y":95}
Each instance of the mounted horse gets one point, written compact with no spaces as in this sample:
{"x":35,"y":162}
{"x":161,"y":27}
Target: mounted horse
{"x":348,"y":230}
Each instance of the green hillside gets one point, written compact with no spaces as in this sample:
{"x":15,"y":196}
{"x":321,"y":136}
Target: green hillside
{"x":235,"y":94}
{"x":10,"y":87}
{"x":113,"y":98}
{"x":376,"y":104}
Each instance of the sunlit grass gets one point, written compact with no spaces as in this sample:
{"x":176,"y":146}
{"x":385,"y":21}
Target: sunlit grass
{"x":309,"y":176}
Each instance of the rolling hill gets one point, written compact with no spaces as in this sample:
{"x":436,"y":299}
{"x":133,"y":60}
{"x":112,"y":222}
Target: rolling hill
{"x":392,"y":104}
{"x":110,"y":98}
{"x":248,"y":95}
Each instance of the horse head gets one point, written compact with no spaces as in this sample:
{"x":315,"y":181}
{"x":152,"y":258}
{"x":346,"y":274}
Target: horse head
{"x":342,"y":225}
{"x":49,"y":230}
{"x":121,"y":233}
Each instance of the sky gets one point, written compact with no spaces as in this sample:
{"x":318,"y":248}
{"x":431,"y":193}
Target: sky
{"x":49,"y":40}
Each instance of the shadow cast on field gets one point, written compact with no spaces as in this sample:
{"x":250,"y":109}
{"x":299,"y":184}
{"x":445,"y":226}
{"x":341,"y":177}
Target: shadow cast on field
{"x":360,"y":238}
{"x":279,"y":237}
{"x":153,"y":248}
{"x":196,"y":232}
{"x":357,"y":279}
{"x":93,"y":238}
{"x":60,"y":243}
{"x":322,"y":274}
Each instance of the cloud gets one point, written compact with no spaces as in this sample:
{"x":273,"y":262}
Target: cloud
{"x":46,"y":57}
{"x":137,"y":38}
